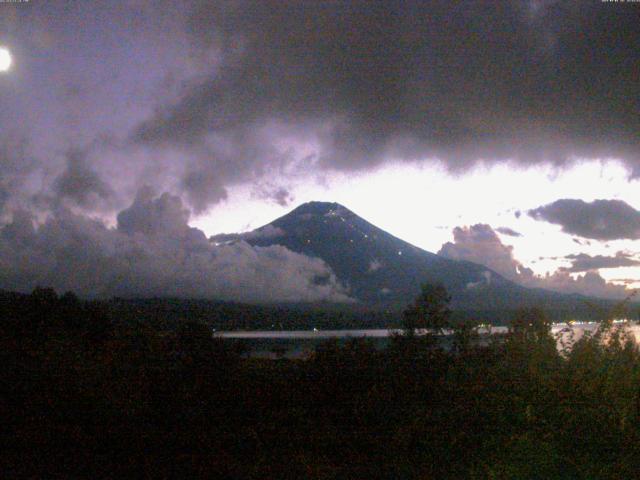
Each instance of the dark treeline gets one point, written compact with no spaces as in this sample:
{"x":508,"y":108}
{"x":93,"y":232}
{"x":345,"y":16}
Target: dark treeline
{"x":86,"y":394}
{"x":165,"y":312}
{"x":237,"y":316}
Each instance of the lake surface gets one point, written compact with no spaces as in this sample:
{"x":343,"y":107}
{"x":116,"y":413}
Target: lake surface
{"x":307,"y":334}
{"x":301,"y":343}
{"x":373,"y":333}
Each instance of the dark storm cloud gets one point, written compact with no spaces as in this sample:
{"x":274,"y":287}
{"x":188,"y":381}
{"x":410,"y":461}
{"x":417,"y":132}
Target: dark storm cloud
{"x":245,"y":154}
{"x":529,"y":81}
{"x":508,"y":231}
{"x":279,"y":195}
{"x":148,"y":215}
{"x":80,"y":183}
{"x":480,"y":244}
{"x":598,"y":220}
{"x":16,"y":166}
{"x":217,"y":94}
{"x":203,"y":187}
{"x":154,"y":252}
{"x":583,"y":262}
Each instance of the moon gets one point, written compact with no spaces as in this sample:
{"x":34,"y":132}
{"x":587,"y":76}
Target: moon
{"x":5,"y":59}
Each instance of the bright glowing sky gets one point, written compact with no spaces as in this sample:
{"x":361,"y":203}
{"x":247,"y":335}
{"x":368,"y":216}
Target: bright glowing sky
{"x":422,"y":205}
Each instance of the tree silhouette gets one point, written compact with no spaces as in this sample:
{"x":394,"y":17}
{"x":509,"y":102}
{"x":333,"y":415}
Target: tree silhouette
{"x":530,"y":324}
{"x":430,"y":310}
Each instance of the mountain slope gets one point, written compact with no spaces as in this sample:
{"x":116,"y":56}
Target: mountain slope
{"x":384,"y":271}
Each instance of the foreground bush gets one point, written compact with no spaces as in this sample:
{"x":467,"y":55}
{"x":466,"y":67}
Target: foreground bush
{"x":88,"y":396}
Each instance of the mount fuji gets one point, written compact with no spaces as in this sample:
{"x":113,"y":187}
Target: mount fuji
{"x":384,"y":272}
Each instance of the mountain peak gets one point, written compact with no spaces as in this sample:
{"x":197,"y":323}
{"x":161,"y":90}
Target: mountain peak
{"x":318,"y":208}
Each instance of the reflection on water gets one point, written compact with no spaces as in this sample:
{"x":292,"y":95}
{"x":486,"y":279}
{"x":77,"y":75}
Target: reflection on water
{"x":375,"y":333}
{"x":301,"y":343}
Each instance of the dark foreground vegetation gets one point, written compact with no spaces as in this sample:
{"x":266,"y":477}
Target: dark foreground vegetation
{"x":88,"y":395}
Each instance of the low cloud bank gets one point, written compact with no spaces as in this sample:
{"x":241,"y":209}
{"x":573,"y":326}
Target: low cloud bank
{"x":480,"y":244}
{"x":153,"y":252}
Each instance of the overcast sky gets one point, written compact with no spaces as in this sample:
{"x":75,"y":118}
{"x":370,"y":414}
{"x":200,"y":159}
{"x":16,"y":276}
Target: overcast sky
{"x":504,"y":132}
